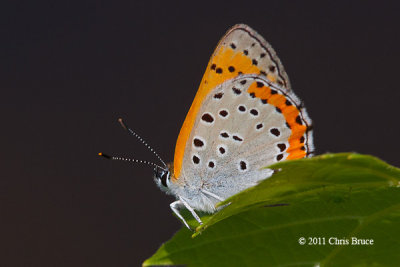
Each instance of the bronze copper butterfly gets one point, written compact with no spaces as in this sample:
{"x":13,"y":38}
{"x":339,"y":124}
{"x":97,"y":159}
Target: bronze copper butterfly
{"x":244,"y":117}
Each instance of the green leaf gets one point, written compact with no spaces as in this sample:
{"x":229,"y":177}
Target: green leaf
{"x":327,"y":200}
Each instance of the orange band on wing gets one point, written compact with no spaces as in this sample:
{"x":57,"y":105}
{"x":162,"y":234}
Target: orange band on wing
{"x":291,"y":113}
{"x":224,"y":65}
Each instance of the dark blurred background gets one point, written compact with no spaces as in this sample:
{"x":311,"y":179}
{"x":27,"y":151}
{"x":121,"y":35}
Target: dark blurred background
{"x":69,"y":70}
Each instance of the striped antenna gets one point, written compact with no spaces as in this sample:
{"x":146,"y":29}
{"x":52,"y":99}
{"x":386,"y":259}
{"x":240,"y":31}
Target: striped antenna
{"x":130,"y":160}
{"x":143,"y":142}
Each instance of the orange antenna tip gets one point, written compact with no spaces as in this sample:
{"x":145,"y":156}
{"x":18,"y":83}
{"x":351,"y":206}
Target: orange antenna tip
{"x":122,"y":123}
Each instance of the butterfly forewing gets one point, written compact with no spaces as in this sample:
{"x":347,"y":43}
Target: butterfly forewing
{"x":240,"y":51}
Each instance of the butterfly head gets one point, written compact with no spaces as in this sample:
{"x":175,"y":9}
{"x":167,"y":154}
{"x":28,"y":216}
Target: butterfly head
{"x":163,"y":177}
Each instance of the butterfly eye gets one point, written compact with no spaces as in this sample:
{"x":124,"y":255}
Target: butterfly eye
{"x":164,"y":178}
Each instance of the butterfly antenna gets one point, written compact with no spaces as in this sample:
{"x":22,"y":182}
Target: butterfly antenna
{"x":141,"y":140}
{"x":130,"y":160}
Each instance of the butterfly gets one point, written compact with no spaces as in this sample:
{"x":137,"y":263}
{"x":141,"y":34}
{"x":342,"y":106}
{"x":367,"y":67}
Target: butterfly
{"x":244,"y":117}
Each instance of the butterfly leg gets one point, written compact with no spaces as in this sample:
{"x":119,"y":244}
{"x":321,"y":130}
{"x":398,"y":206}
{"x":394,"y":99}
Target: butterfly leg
{"x":212,"y":195}
{"x":177,"y":205}
{"x":191,"y":210}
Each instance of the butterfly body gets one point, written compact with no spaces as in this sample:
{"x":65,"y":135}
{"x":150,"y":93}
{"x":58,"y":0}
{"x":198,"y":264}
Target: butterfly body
{"x":244,"y":117}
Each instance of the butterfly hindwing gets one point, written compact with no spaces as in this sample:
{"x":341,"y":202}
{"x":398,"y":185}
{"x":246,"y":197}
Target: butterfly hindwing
{"x":243,"y":125}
